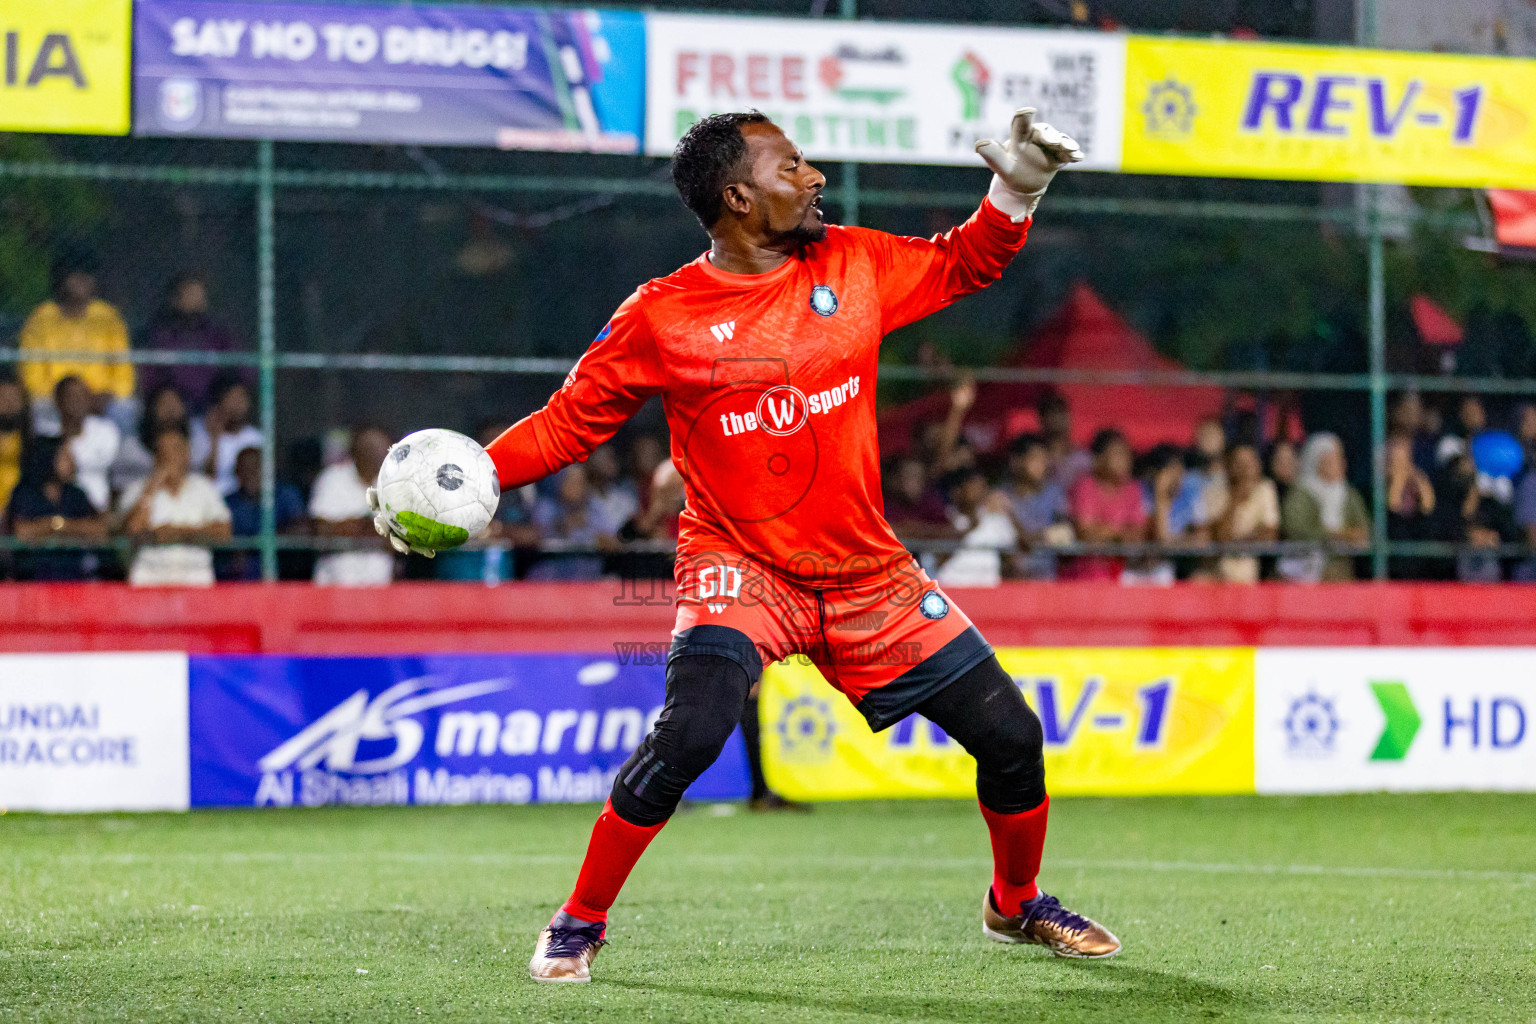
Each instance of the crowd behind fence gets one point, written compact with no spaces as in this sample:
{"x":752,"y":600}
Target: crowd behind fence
{"x":156,"y":477}
{"x":1229,"y":503}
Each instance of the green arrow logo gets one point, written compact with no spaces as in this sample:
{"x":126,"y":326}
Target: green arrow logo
{"x":1402,"y":721}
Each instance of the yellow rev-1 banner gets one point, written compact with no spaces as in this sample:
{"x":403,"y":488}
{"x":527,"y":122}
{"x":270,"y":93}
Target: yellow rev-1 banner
{"x":1117,"y":721}
{"x":64,"y":66}
{"x":1328,"y":114}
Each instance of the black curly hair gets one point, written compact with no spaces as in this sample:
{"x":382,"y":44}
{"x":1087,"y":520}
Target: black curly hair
{"x":706,"y":159}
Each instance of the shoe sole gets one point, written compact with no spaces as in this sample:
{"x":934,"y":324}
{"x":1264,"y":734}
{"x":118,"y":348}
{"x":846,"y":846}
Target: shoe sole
{"x":1007,"y":939}
{"x":559,"y":981}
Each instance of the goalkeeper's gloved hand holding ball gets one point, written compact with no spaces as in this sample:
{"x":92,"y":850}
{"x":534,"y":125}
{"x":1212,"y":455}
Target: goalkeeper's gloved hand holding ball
{"x":411,"y":533}
{"x":1023,"y":167}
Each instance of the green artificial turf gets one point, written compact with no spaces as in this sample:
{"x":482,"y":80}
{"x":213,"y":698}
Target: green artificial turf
{"x":1352,"y":908}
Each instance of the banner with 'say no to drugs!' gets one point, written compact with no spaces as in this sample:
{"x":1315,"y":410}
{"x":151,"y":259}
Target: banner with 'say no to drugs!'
{"x":510,"y":77}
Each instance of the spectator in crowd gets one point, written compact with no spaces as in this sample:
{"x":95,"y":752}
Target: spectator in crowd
{"x":1406,"y":415}
{"x":984,"y":520}
{"x":1206,"y":464}
{"x":1283,"y":468}
{"x":1177,"y":499}
{"x":1524,"y":421}
{"x":659,"y":519}
{"x":1177,"y":496}
{"x":47,"y":505}
{"x":1524,"y":510}
{"x":646,"y":454}
{"x":94,"y":440}
{"x":339,"y":507}
{"x":1068,"y":463}
{"x":1472,"y":419}
{"x":15,"y":432}
{"x":656,"y":521}
{"x":165,"y":409}
{"x":245,"y":515}
{"x":75,"y":320}
{"x":1410,"y":505}
{"x":172,"y":515}
{"x":183,"y":323}
{"x":1251,"y":513}
{"x":572,"y":516}
{"x":939,"y":443}
{"x":1039,"y":505}
{"x":913,"y":506}
{"x":1107,"y":505}
{"x":224,"y":431}
{"x":1472,"y":518}
{"x":1322,"y":508}
{"x":614,"y":498}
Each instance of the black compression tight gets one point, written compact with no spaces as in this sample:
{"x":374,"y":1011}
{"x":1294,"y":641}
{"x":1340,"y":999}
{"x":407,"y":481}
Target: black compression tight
{"x":985,"y":712}
{"x":982,"y":709}
{"x":705,"y":695}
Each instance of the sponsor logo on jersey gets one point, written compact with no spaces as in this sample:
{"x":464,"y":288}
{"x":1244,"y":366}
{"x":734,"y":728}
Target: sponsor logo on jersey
{"x":724,"y":332}
{"x":784,"y":409}
{"x":933,"y":605}
{"x":823,"y":300}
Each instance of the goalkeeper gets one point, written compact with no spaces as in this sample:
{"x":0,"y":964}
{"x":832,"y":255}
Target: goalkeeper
{"x":764,"y":351}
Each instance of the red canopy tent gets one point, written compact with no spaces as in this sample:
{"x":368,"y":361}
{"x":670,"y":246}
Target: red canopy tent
{"x":1085,"y":334}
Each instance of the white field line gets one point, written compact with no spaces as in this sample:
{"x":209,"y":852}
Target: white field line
{"x":821,"y":862}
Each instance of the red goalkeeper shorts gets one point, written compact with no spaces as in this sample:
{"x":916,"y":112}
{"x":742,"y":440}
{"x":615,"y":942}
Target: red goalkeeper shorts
{"x":887,"y":640}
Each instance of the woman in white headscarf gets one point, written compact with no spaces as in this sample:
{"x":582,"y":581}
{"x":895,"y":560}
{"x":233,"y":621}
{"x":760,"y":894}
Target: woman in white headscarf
{"x":1322,"y":507}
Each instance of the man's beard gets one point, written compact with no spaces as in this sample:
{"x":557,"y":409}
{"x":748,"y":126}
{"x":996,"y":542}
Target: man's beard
{"x":798,"y":237}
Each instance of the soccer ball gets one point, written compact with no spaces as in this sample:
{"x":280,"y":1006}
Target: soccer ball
{"x":442,"y":475}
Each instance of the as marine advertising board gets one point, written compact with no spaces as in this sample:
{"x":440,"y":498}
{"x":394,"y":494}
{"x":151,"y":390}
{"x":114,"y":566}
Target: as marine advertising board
{"x":883,"y":92}
{"x":439,"y":74}
{"x":1116,"y":721}
{"x":434,"y":729}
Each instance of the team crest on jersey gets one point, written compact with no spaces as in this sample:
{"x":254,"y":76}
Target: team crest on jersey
{"x":823,"y":300}
{"x":933,"y":605}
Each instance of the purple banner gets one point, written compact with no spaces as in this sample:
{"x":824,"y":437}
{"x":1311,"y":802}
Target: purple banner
{"x":432,"y":729}
{"x":514,"y":78}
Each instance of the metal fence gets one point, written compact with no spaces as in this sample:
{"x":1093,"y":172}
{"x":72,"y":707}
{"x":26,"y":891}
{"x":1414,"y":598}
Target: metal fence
{"x":267,"y":172}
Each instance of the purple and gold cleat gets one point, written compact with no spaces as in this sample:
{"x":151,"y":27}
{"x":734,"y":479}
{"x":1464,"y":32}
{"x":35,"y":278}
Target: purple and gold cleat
{"x":1043,"y":921}
{"x":566,"y":949}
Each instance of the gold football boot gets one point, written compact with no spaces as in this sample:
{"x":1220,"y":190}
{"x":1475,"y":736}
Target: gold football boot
{"x":1043,"y":921}
{"x":566,"y":949}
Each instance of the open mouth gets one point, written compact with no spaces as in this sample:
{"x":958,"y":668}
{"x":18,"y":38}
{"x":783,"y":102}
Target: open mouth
{"x":816,"y":207}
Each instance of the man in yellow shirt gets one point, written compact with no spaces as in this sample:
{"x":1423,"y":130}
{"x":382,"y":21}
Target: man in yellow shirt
{"x":15,"y":427}
{"x":75,"y":320}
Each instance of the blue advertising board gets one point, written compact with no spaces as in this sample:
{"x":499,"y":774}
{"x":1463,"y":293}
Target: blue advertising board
{"x":510,"y":77}
{"x":434,"y":729}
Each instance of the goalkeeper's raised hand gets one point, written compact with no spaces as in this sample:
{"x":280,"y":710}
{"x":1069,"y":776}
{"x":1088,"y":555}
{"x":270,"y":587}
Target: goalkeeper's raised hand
{"x":412,"y":533}
{"x":1024,"y":166}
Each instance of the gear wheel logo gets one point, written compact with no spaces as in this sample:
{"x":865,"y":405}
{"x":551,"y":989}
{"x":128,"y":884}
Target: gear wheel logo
{"x":806,"y":728}
{"x":1311,"y":725}
{"x":1170,"y":110}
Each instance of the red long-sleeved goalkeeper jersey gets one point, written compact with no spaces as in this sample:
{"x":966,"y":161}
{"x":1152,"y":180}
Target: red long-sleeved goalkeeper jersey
{"x":768,"y":383}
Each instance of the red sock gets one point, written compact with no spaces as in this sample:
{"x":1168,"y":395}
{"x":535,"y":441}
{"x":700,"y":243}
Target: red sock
{"x":611,"y":855}
{"x":1017,"y":842}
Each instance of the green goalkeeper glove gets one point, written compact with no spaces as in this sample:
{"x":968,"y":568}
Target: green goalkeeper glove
{"x":1024,"y":166}
{"x":410,"y":532}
